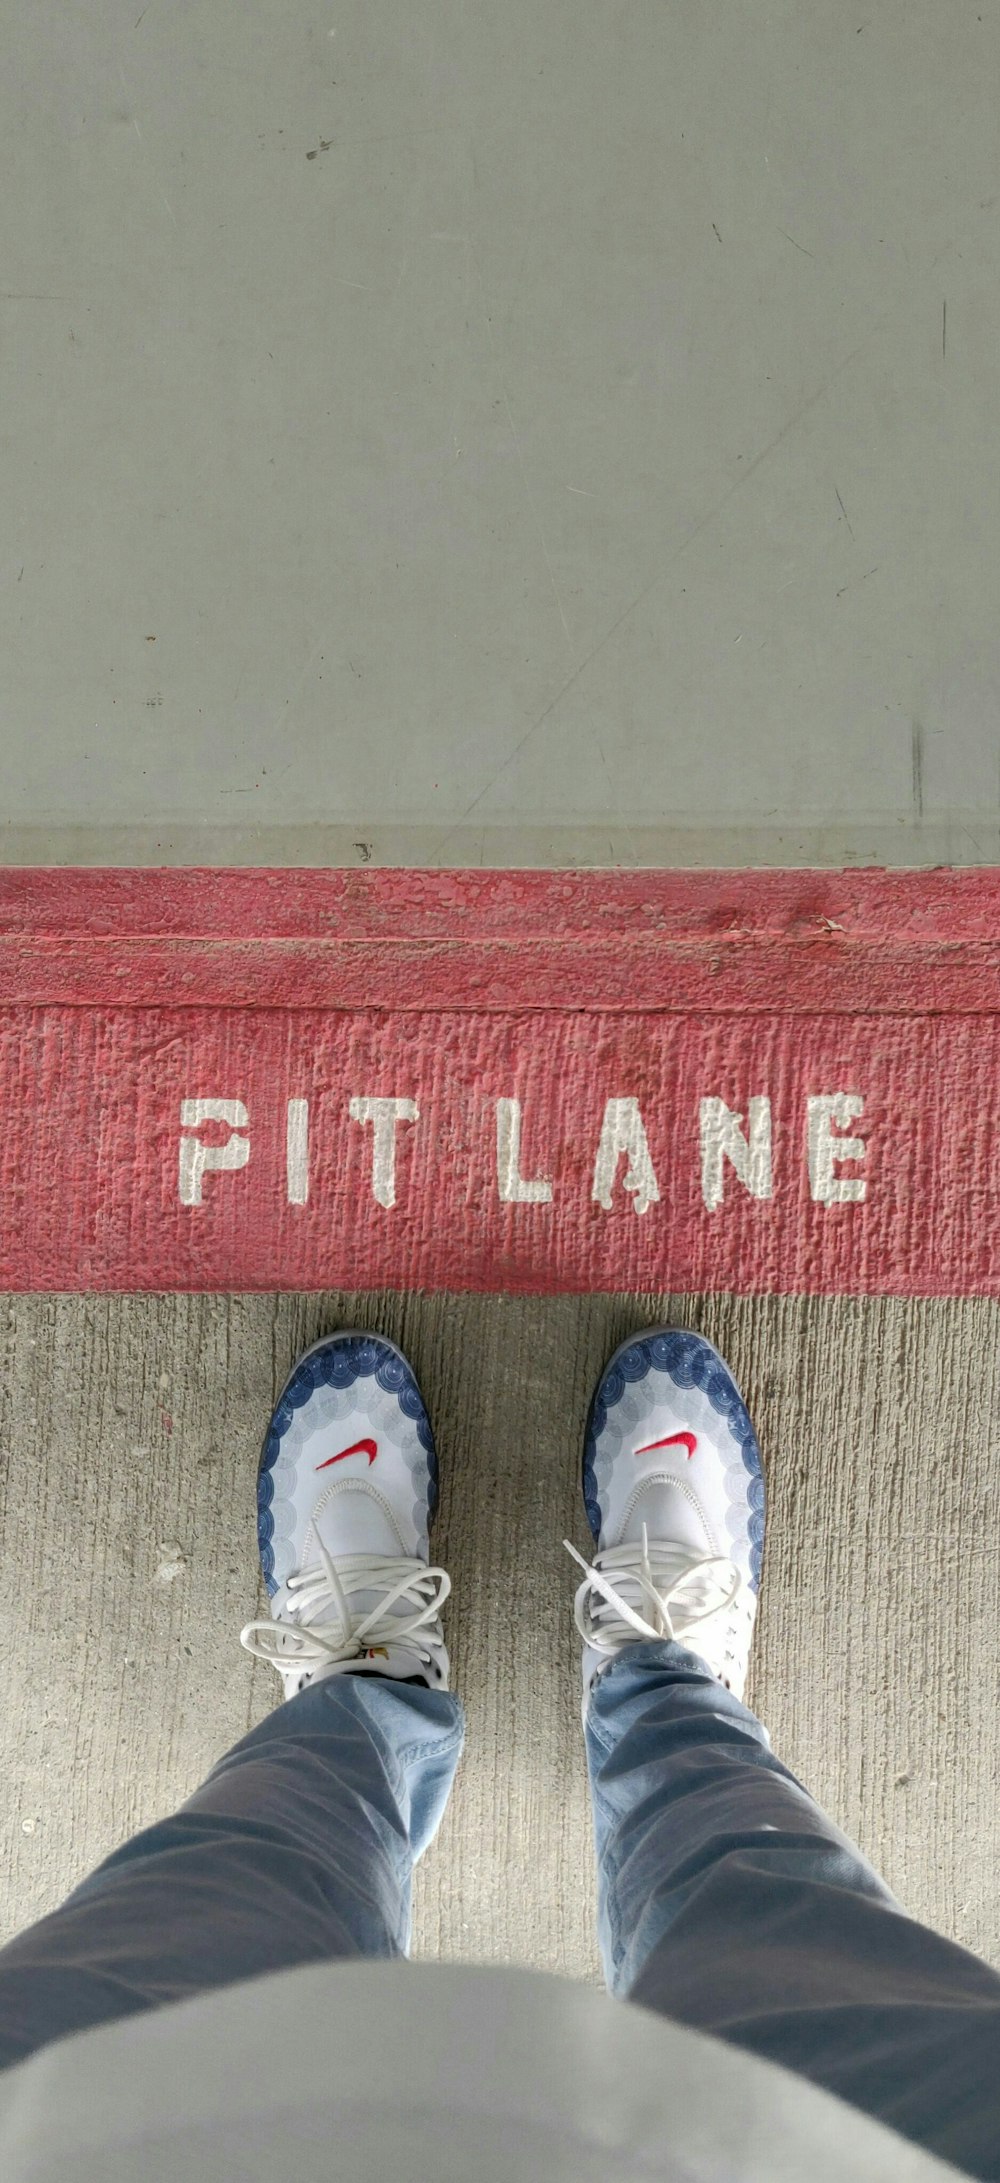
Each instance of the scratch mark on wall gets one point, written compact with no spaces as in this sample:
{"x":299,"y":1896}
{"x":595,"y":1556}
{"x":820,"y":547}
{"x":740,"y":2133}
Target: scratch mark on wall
{"x":292,"y":699}
{"x":917,"y":745}
{"x":611,"y":791}
{"x":138,"y":132}
{"x":662,"y":572}
{"x":844,"y":513}
{"x":520,"y":456}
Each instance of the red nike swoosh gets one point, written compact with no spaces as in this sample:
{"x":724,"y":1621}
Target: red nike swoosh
{"x":361,"y":1447}
{"x":688,"y":1440}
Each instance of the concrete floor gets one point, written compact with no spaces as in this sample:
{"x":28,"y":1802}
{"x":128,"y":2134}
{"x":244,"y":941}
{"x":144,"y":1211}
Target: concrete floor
{"x":500,"y":435}
{"x":130,"y":1430}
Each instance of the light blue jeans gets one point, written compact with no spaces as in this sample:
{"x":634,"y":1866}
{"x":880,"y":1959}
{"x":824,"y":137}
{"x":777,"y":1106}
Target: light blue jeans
{"x":726,"y":1900}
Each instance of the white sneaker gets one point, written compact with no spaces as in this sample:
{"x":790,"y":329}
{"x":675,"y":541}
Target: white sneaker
{"x":346,"y":1494}
{"x":674,"y":1490}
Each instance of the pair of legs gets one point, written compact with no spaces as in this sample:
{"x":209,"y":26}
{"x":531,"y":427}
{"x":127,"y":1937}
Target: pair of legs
{"x":726,"y":1899}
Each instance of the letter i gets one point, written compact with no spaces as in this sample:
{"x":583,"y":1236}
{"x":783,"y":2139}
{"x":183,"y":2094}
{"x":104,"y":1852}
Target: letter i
{"x":297,"y":1151}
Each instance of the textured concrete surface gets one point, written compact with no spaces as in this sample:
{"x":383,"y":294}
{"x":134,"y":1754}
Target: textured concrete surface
{"x":500,"y":434}
{"x":130,"y":1430}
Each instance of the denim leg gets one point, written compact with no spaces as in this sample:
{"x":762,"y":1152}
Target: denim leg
{"x":298,"y":1848}
{"x":729,"y":1902}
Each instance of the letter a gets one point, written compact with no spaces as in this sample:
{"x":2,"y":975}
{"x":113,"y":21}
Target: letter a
{"x":623,"y":1132}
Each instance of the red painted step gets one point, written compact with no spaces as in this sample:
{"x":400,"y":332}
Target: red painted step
{"x":531,"y":1081}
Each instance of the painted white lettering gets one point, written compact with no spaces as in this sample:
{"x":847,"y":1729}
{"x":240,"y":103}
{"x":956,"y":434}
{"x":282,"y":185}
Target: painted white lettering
{"x":828,"y":1188}
{"x":297,"y":1151}
{"x":514,"y":1190}
{"x":384,"y":1114}
{"x":722,"y":1137}
{"x":197,"y":1159}
{"x":622,"y":1131}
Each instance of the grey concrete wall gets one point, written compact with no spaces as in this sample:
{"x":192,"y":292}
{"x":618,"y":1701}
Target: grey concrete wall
{"x":499,"y":434}
{"x":129,"y":1436}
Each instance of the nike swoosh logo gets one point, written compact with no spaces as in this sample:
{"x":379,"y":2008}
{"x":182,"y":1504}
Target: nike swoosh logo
{"x":675,"y":1439}
{"x":361,"y":1447}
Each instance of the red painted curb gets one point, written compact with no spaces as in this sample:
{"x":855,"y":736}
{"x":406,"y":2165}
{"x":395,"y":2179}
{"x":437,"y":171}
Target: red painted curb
{"x":792,"y":941}
{"x":528,"y":1081}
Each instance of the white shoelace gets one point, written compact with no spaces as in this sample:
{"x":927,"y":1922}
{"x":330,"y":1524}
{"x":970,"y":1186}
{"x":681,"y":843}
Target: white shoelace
{"x":285,"y":1644}
{"x":660,"y":1572}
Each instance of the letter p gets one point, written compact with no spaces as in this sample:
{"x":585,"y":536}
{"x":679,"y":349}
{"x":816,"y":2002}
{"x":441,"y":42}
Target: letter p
{"x":196,"y":1158}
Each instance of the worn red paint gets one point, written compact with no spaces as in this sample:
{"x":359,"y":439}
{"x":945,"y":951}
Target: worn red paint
{"x":125,"y":993}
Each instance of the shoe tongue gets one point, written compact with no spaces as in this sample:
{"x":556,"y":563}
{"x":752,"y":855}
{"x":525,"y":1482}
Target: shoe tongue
{"x":667,"y":1514}
{"x":350,"y":1521}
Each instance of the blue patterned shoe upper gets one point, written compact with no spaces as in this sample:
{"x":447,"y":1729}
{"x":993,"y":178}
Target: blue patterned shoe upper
{"x":347,"y":1359}
{"x":689,"y":1361}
